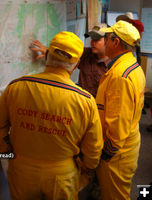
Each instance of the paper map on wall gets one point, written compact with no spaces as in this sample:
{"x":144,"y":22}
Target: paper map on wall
{"x":20,"y":23}
{"x":146,"y":42}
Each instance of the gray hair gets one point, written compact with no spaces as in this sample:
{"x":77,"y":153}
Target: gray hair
{"x":53,"y":61}
{"x":123,"y":44}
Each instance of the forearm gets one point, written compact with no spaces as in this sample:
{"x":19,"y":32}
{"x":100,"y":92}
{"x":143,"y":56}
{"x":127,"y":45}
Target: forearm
{"x":82,"y":167}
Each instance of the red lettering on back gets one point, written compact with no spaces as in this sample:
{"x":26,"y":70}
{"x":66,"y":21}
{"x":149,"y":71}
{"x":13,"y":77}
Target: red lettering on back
{"x":19,"y":111}
{"x":35,"y":113}
{"x":27,"y":112}
{"x":47,"y":116}
{"x":52,"y":131}
{"x":53,"y":118}
{"x":63,"y":120}
{"x":22,"y":125}
{"x":43,"y":116}
{"x":58,"y":119}
{"x":40,"y":128}
{"x":63,"y":133}
{"x":28,"y":126}
{"x":69,"y":121}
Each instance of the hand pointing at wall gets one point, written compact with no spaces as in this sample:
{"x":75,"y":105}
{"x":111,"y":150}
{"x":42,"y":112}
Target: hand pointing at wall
{"x":37,"y":46}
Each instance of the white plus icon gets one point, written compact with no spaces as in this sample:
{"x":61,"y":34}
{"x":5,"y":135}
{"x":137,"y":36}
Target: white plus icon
{"x":144,"y":192}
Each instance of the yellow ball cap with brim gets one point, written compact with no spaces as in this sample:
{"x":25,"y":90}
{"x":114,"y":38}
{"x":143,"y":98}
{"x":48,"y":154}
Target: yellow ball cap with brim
{"x":66,"y":46}
{"x":124,"y":30}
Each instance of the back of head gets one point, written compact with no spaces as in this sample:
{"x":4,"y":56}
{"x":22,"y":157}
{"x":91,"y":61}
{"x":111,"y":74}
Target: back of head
{"x":66,"y":48}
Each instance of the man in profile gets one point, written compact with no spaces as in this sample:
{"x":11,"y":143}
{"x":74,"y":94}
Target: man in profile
{"x":120,"y":98}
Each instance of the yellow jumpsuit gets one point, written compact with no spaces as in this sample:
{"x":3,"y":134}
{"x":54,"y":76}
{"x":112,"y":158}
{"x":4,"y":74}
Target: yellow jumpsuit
{"x":50,"y":120}
{"x":120,"y":99}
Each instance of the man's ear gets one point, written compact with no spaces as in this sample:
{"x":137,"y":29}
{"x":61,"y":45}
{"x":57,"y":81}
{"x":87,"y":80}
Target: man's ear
{"x":116,"y":42}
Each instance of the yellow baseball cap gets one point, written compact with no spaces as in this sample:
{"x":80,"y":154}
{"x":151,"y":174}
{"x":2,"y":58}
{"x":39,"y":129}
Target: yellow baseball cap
{"x":66,"y":46}
{"x":126,"y":31}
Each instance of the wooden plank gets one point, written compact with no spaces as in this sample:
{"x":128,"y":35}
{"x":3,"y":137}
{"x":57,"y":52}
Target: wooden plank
{"x":144,"y":63}
{"x":94,"y":13}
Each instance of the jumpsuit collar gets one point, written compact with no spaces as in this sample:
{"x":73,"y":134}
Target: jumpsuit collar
{"x":57,"y":70}
{"x":114,"y":60}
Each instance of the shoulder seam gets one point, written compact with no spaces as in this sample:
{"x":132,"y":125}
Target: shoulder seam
{"x":130,"y":69}
{"x":51,"y":83}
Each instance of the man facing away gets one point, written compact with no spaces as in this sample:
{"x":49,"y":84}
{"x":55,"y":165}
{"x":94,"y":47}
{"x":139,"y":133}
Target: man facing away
{"x":120,"y":99}
{"x":93,"y":63}
{"x":50,"y":120}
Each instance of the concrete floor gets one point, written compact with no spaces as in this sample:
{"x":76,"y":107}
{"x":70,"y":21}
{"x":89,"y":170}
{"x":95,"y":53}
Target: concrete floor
{"x":4,"y":192}
{"x":143,"y":174}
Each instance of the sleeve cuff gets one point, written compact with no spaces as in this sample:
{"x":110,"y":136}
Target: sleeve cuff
{"x":106,"y":156}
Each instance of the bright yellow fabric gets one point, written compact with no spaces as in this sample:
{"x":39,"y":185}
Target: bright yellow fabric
{"x":115,"y":176}
{"x":52,"y":181}
{"x":50,"y":124}
{"x":69,"y":43}
{"x":120,"y":100}
{"x":125,"y":30}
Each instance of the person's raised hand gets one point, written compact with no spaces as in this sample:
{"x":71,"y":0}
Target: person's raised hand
{"x":38,"y":47}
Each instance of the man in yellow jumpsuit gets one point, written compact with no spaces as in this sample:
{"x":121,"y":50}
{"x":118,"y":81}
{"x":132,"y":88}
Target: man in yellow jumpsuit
{"x":50,"y":120}
{"x":120,"y":99}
